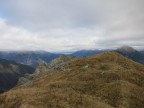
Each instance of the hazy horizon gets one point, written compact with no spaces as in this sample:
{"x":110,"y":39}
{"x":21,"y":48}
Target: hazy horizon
{"x":66,"y":52}
{"x":68,"y":26}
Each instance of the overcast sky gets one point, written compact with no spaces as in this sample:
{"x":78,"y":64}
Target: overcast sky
{"x":69,"y":25}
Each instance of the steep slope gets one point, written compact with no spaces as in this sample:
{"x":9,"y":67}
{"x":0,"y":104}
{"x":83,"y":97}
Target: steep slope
{"x":131,"y":53}
{"x":56,"y":65}
{"x":10,"y":72}
{"x":107,"y":80}
{"x":32,"y":58}
{"x":83,"y":53}
{"x":59,"y":64}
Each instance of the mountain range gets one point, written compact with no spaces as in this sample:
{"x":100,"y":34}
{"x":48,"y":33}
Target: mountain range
{"x":83,"y":53}
{"x":31,"y":58}
{"x":126,"y":51}
{"x":107,"y":80}
{"x":84,"y":79}
{"x":34,"y":58}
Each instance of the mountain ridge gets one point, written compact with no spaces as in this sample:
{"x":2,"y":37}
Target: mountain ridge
{"x":107,"y":80}
{"x":31,"y":58}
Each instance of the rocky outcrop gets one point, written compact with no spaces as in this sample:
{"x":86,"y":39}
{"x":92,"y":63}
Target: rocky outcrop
{"x":57,"y":65}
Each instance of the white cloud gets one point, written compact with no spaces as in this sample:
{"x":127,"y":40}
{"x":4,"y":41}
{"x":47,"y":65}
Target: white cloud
{"x":57,"y":25}
{"x":13,"y":38}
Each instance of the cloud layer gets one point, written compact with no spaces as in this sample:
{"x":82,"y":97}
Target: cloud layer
{"x":62,"y":25}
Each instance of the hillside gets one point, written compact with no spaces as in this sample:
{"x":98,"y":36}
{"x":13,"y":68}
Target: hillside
{"x":106,"y":80}
{"x":56,"y":65}
{"x":32,"y":58}
{"x":10,"y":72}
{"x":131,"y":53}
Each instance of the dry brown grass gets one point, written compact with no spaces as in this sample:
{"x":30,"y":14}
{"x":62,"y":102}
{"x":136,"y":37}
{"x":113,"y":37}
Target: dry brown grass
{"x":109,"y":81}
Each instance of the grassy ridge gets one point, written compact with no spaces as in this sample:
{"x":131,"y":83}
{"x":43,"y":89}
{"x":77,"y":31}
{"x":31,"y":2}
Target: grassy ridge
{"x":107,"y":80}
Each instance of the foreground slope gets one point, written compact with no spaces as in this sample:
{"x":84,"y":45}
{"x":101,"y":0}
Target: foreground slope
{"x":107,"y":80}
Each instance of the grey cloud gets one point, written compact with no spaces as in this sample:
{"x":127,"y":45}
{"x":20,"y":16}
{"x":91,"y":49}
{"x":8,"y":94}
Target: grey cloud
{"x":43,"y":14}
{"x":76,"y":24}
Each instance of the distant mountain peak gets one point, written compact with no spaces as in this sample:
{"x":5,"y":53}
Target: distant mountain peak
{"x":127,"y":49}
{"x":131,"y":53}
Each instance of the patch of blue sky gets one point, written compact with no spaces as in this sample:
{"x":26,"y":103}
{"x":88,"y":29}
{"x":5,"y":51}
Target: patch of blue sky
{"x":1,"y":13}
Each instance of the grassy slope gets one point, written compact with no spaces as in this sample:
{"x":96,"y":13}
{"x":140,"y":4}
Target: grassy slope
{"x":106,"y":80}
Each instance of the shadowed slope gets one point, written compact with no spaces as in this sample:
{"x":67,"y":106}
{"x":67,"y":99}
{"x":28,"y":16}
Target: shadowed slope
{"x":10,"y":72}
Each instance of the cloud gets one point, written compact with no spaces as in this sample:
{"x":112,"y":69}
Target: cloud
{"x":62,"y":25}
{"x":14,"y":38}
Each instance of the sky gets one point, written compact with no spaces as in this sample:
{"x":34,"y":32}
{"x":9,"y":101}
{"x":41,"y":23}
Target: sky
{"x":70,"y":25}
